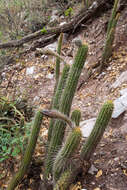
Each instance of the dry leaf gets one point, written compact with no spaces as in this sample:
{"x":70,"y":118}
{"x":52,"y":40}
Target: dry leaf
{"x":125,"y":172}
{"x":99,"y":173}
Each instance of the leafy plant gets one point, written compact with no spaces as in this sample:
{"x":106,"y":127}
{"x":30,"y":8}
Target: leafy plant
{"x":43,"y":30}
{"x":68,"y":12}
{"x":12,"y":129}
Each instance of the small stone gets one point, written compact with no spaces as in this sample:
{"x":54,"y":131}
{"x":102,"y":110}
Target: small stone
{"x":30,"y":70}
{"x":92,"y":170}
{"x":62,"y":23}
{"x":49,"y":76}
{"x":52,"y":46}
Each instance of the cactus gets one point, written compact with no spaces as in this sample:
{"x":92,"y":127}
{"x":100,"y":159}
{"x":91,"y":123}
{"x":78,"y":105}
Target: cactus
{"x":66,"y":152}
{"x":28,"y":153}
{"x":58,"y":59}
{"x":64,"y":181}
{"x":57,"y":96}
{"x":113,"y":16}
{"x":65,"y":106}
{"x":109,"y":42}
{"x":98,"y":130}
{"x":76,"y":116}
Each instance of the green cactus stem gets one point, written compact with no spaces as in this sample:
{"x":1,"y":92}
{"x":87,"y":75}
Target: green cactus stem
{"x":57,"y":96}
{"x":28,"y":153}
{"x":64,"y":181}
{"x":58,"y":59}
{"x":98,"y":130}
{"x":113,"y":16}
{"x":64,"y":155}
{"x":65,"y":106}
{"x":76,"y":116}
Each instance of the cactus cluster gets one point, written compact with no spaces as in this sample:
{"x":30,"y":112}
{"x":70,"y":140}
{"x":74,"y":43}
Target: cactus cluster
{"x":110,"y":35}
{"x":60,"y":162}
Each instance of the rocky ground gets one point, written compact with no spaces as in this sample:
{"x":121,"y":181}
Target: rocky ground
{"x":33,"y":78}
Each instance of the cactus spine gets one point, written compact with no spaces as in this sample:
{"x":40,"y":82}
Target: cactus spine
{"x":65,"y":106}
{"x":57,"y":97}
{"x":28,"y":153}
{"x":66,"y":152}
{"x":76,"y":116}
{"x":98,"y":130}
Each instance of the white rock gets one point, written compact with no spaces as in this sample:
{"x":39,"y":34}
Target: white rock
{"x":49,"y":76}
{"x":123,"y":91}
{"x":92,"y":170}
{"x":30,"y":70}
{"x":120,"y":105}
{"x":62,"y":23}
{"x":52,"y":46}
{"x":54,"y":12}
{"x":87,"y":126}
{"x":36,"y":98}
{"x":121,"y":79}
{"x":53,"y":18}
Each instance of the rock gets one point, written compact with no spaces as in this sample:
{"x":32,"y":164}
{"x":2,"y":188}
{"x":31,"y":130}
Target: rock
{"x":92,"y":170}
{"x":62,"y":23}
{"x":120,"y":105}
{"x":52,"y":46}
{"x":53,"y":18}
{"x":30,"y":70}
{"x":123,"y":91}
{"x":121,"y":79}
{"x":87,"y":126}
{"x":49,"y":76}
{"x":55,"y":12}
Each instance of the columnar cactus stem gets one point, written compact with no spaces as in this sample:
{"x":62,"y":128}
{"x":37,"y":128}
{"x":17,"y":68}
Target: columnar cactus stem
{"x":71,"y":144}
{"x":57,"y":96}
{"x":28,"y":153}
{"x":76,"y":116}
{"x":64,"y":181}
{"x":65,"y":106}
{"x":98,"y":130}
{"x":58,"y":59}
{"x":113,"y":16}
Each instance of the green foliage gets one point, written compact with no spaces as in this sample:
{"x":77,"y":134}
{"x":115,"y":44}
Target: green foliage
{"x":44,"y":31}
{"x":12,"y":130}
{"x":68,"y":12}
